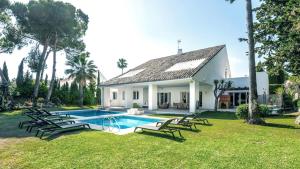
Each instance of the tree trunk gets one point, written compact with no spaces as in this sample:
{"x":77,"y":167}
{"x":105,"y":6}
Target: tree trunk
{"x":38,"y":74}
{"x":44,"y":64}
{"x":53,"y":72}
{"x":80,"y":95}
{"x":253,"y":105}
{"x":216,"y":104}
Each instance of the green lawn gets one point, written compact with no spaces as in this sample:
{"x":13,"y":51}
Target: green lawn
{"x":228,"y":143}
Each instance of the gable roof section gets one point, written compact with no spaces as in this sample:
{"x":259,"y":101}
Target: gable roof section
{"x":155,"y":69}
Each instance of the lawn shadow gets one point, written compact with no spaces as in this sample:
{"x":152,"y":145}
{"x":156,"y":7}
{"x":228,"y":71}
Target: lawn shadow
{"x":218,"y":115}
{"x":56,"y":135}
{"x":162,"y":135}
{"x":276,"y":125}
{"x":9,"y":122}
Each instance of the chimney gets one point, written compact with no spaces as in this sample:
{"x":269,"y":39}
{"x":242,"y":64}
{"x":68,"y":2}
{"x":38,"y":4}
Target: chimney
{"x":179,"y":49}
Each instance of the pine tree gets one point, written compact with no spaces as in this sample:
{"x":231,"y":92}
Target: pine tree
{"x":20,"y":76}
{"x":5,"y":71}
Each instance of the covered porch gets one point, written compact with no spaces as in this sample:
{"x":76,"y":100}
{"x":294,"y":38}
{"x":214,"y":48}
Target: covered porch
{"x":182,"y":95}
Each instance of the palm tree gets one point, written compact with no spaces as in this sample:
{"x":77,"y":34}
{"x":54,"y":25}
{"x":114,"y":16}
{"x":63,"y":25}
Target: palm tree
{"x":253,"y":105}
{"x":81,"y":70}
{"x":122,"y":63}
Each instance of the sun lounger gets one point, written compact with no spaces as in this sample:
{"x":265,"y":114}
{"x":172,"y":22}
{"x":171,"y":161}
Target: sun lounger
{"x":197,"y":117}
{"x":162,"y":128}
{"x":60,"y":127}
{"x":38,"y":121}
{"x":182,"y":122}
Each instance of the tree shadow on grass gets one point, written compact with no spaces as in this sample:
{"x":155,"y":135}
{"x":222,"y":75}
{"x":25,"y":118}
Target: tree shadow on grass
{"x":163,"y":135}
{"x":219,"y":115}
{"x":276,"y":125}
{"x":9,"y":122}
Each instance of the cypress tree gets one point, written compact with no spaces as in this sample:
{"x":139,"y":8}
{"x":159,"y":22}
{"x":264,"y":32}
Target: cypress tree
{"x":5,"y":71}
{"x":46,"y":80}
{"x":20,"y":76}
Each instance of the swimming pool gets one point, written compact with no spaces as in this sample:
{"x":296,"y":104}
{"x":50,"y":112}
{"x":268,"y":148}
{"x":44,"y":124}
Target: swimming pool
{"x":88,"y":113}
{"x":124,"y":122}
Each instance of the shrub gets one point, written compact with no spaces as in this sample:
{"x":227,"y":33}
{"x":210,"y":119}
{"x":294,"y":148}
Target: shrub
{"x":242,"y":111}
{"x":264,"y":110}
{"x":274,"y":87}
{"x":135,"y":105}
{"x":298,"y":103}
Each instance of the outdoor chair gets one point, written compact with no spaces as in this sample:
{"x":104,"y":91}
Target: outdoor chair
{"x":182,"y":122}
{"x":162,"y":128}
{"x":57,"y":127}
{"x":197,"y":117}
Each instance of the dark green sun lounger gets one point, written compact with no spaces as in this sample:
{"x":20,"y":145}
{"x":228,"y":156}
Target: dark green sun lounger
{"x":197,"y":117}
{"x":182,"y":122}
{"x":41,"y":121}
{"x":161,"y":128}
{"x":57,"y":127}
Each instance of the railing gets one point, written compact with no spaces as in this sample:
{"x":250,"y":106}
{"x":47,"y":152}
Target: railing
{"x":113,"y":123}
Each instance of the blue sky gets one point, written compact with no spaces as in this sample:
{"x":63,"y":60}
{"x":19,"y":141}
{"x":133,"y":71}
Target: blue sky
{"x":139,"y":30}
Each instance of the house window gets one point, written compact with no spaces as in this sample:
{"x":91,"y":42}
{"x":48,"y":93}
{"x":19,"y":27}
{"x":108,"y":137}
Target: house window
{"x":200,"y":99}
{"x":135,"y":95}
{"x":123,"y":95}
{"x":114,"y":95}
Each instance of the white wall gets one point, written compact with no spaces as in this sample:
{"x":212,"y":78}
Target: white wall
{"x":128,"y":101}
{"x":262,"y":80}
{"x":214,"y":69}
{"x":262,"y":83}
{"x":208,"y":98}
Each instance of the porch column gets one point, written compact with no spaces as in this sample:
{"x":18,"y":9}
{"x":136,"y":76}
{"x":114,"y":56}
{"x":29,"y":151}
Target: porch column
{"x":194,"y":92}
{"x":128,"y":97}
{"x":152,"y":96}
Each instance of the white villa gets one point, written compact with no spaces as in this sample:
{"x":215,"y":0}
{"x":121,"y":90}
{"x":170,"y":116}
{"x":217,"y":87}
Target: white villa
{"x":181,"y":81}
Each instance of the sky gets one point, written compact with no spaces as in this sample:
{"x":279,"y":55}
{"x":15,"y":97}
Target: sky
{"x":140,"y":30}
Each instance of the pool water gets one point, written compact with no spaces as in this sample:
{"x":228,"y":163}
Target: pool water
{"x":90,"y":113}
{"x":123,"y":121}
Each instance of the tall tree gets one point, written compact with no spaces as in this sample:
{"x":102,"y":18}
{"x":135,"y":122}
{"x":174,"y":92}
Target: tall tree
{"x":68,"y":33}
{"x":81,"y":70}
{"x":46,"y":80}
{"x":122,"y":64}
{"x":277,"y":30}
{"x":42,"y":21}
{"x":9,"y":34}
{"x":5,"y":71}
{"x":98,"y":90}
{"x":253,"y":104}
{"x":20,"y":75}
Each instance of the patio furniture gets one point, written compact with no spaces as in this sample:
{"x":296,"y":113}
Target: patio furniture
{"x":162,"y":128}
{"x":40,"y":122}
{"x":164,"y":106}
{"x":181,"y":105}
{"x":54,"y":127}
{"x":197,"y":117}
{"x":182,"y":122}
